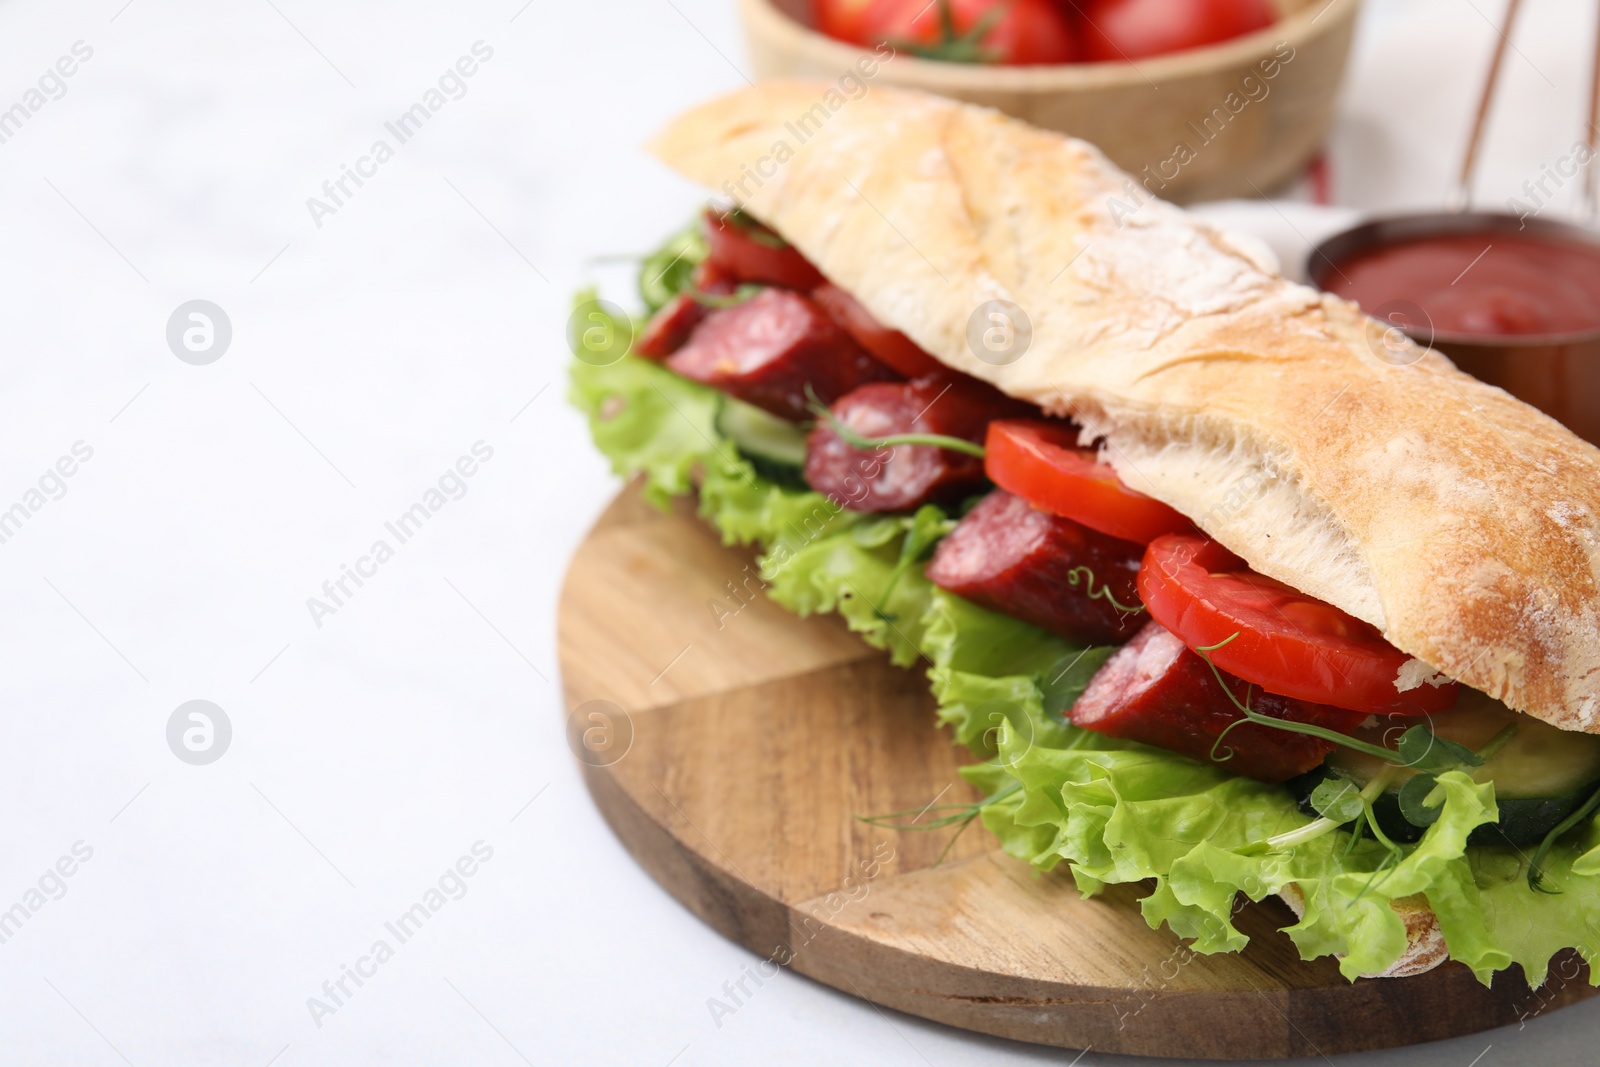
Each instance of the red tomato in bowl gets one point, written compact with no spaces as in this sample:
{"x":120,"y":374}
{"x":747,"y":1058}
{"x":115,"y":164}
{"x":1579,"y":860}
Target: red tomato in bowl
{"x":1012,"y":32}
{"x":844,"y":20}
{"x":1119,"y":30}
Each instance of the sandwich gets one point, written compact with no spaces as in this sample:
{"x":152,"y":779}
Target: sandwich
{"x":1237,"y":592}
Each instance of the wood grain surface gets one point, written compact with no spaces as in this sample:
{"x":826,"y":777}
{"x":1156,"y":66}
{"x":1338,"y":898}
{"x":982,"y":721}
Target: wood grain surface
{"x":731,"y":750}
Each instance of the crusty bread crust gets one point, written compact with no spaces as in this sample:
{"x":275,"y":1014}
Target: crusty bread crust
{"x":1425,"y":947}
{"x":1352,"y":465}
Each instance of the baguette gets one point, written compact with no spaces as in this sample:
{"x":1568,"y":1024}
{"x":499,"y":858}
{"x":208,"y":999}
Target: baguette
{"x":1327,"y":452}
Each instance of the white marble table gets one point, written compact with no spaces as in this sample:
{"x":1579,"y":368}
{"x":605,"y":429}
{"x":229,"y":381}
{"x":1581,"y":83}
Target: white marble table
{"x":404,"y":737}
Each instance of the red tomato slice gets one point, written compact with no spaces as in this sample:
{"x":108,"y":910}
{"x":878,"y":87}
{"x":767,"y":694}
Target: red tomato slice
{"x":1042,"y":463}
{"x":752,"y":253}
{"x":1288,"y":643}
{"x":889,"y":346}
{"x":1014,"y":32}
{"x":710,"y":278}
{"x":1115,"y":31}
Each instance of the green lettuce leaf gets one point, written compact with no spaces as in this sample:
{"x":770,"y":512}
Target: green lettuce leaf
{"x":850,"y":570}
{"x":988,"y":668}
{"x":1519,"y":925}
{"x":667,"y":271}
{"x":647,"y":420}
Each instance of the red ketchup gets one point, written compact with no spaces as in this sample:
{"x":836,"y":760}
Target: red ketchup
{"x":1487,"y":284}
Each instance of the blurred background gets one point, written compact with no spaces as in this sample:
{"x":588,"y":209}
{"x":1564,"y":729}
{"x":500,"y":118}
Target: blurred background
{"x":369,"y":742}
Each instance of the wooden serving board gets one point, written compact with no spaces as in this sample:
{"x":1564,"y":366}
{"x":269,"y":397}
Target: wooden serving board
{"x":733,"y":747}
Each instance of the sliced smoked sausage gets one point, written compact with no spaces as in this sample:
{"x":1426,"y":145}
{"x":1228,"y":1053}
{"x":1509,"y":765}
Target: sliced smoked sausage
{"x":1156,"y":691}
{"x":766,"y":350}
{"x":1010,"y":557}
{"x":669,"y":328}
{"x":900,"y":477}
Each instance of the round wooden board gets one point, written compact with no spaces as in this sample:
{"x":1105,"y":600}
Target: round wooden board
{"x":750,"y":739}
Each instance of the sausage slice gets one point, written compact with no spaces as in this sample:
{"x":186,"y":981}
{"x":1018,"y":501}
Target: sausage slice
{"x":766,"y":350}
{"x":1046,"y":569}
{"x":900,"y":477}
{"x":1157,"y":691}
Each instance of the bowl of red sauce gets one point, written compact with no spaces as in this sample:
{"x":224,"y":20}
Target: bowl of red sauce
{"x":1512,"y":301}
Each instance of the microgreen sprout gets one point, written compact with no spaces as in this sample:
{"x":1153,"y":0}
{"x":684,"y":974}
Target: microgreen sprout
{"x":1419,"y":748}
{"x":1085,"y":576}
{"x":1338,"y":804}
{"x":1536,"y":864}
{"x":962,"y":816}
{"x":723,"y":300}
{"x":855,"y":440}
{"x":1392,"y":853}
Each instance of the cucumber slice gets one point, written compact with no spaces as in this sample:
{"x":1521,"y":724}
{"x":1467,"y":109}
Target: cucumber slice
{"x":1541,"y":774}
{"x":1523,"y":821}
{"x":762,"y":437}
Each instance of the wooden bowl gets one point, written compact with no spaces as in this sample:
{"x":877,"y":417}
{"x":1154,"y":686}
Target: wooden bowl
{"x":1138,"y":113}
